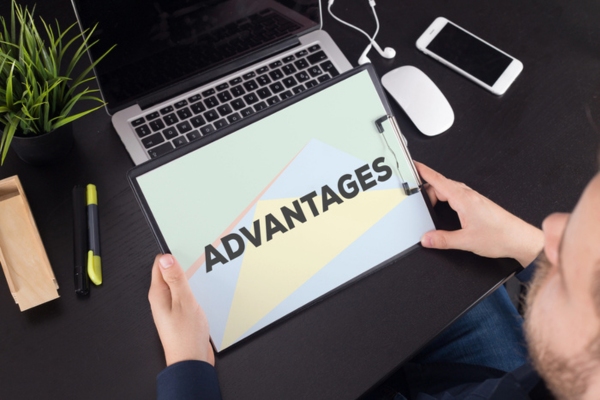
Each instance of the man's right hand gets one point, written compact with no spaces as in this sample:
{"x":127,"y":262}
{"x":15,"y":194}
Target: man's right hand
{"x":486,"y":228}
{"x":181,"y":323}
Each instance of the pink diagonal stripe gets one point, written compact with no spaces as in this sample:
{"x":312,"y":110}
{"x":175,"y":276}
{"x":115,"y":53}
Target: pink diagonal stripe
{"x":198,"y":263}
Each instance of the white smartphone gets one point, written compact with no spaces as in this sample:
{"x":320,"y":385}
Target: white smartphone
{"x":469,"y":55}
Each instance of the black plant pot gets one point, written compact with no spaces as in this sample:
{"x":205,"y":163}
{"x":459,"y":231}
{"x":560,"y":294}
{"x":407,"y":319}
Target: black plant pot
{"x":46,"y":148}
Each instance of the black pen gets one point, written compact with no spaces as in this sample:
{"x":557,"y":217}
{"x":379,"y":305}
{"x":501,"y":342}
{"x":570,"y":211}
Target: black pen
{"x":82,"y":283}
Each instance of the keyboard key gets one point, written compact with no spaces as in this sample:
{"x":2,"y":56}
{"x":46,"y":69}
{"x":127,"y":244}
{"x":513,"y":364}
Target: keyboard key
{"x":211,"y":102}
{"x":248,"y":75}
{"x":208,"y":92}
{"x":301,"y":53}
{"x":317,"y":57}
{"x":238,"y":104}
{"x":193,"y":135}
{"x":138,"y":122}
{"x":251,"y":98}
{"x":184,"y":127}
{"x":246,"y":112}
{"x":275,"y":64}
{"x":277,"y":87}
{"x":170,"y":119}
{"x":276,"y":74}
{"x":224,"y":97}
{"x":327,"y":66}
{"x":315,"y":71}
{"x":235,"y":117}
{"x":286,"y":95}
{"x":324,"y":77}
{"x":289,"y":82}
{"x":224,"y":110}
{"x":222,"y":87}
{"x":170,"y":133}
{"x":194,"y":98}
{"x":211,"y":115}
{"x":299,"y":89}
{"x":180,"y":141}
{"x":157,"y":125}
{"x":184,"y":113}
{"x":288,"y":59}
{"x":198,"y":108}
{"x":152,"y":116}
{"x":222,"y":123}
{"x":238,"y":91}
{"x":143,"y":131}
{"x":197,"y":121}
{"x":314,"y":48}
{"x":207,"y":129}
{"x":289,"y":69}
{"x":302,"y":76}
{"x":181,"y":103}
{"x":263,"y":93}
{"x":166,"y":110}
{"x":262,"y":70}
{"x":160,"y":150}
{"x":273,"y":100}
{"x":260,"y":106}
{"x":263,"y":80}
{"x":251,"y":85}
{"x":235,"y":81}
{"x":301,"y":64}
{"x":153,"y":140}
{"x":312,"y":83}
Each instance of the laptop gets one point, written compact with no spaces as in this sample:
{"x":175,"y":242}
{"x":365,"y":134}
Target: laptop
{"x":185,"y":69}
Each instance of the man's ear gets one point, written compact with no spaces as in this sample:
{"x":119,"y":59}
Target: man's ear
{"x":554,"y":227}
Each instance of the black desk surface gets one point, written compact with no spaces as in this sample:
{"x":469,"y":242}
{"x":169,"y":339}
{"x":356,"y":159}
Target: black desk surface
{"x":531,"y":150}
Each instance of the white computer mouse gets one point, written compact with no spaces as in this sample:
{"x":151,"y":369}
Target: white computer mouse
{"x":420,"y":99}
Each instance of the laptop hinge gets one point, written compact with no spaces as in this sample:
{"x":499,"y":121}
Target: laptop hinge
{"x":186,"y":85}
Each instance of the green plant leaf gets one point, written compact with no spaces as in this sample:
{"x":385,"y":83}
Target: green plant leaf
{"x":9,"y":87}
{"x":72,"y":118}
{"x":7,"y":135}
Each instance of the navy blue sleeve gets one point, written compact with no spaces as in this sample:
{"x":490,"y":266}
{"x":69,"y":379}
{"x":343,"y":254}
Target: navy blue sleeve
{"x":447,"y":381}
{"x":185,"y":380}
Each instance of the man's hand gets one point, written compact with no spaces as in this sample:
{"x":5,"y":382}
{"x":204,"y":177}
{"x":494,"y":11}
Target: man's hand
{"x":487,"y":229}
{"x":181,"y":323}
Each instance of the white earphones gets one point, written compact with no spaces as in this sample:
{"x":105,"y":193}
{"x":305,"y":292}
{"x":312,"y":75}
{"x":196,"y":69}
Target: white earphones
{"x":388,"y":52}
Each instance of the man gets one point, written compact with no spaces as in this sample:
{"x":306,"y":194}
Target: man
{"x":563,"y":306}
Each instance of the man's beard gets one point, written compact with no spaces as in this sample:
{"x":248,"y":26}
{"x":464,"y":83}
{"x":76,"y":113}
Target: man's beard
{"x":567,"y":378}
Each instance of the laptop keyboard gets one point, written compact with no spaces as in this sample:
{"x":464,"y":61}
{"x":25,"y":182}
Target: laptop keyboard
{"x":209,"y":110}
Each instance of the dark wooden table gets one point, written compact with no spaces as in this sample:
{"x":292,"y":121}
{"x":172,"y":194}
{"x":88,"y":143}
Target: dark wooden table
{"x":531,"y":150}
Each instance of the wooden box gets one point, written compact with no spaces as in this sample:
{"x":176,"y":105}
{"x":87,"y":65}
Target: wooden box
{"x":24,"y":261}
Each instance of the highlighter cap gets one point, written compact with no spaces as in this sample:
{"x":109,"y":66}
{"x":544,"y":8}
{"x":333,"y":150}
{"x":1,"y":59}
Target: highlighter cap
{"x":94,"y":268}
{"x":91,"y":194}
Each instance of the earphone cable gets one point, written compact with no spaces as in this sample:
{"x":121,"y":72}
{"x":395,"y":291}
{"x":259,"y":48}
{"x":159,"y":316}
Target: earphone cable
{"x":355,"y":27}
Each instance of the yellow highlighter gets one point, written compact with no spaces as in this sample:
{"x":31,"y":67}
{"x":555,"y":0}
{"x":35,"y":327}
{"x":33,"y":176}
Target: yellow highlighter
{"x":94,"y":264}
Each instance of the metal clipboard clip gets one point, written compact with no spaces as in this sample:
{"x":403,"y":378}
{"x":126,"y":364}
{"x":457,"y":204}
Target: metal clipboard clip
{"x":404,"y":164}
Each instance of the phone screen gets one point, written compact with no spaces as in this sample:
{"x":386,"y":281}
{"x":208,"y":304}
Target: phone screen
{"x":469,"y":54}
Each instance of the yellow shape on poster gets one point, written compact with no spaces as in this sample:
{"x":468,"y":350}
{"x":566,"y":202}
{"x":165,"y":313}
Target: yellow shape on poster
{"x":274,"y":270}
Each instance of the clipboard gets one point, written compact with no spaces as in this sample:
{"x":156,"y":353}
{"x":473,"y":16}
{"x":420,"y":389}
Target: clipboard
{"x":277,"y":211}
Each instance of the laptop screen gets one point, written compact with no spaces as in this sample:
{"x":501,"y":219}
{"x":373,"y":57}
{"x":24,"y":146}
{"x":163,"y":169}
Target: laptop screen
{"x":163,"y":42}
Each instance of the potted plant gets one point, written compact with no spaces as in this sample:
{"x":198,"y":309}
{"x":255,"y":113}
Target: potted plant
{"x":39,"y":85}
